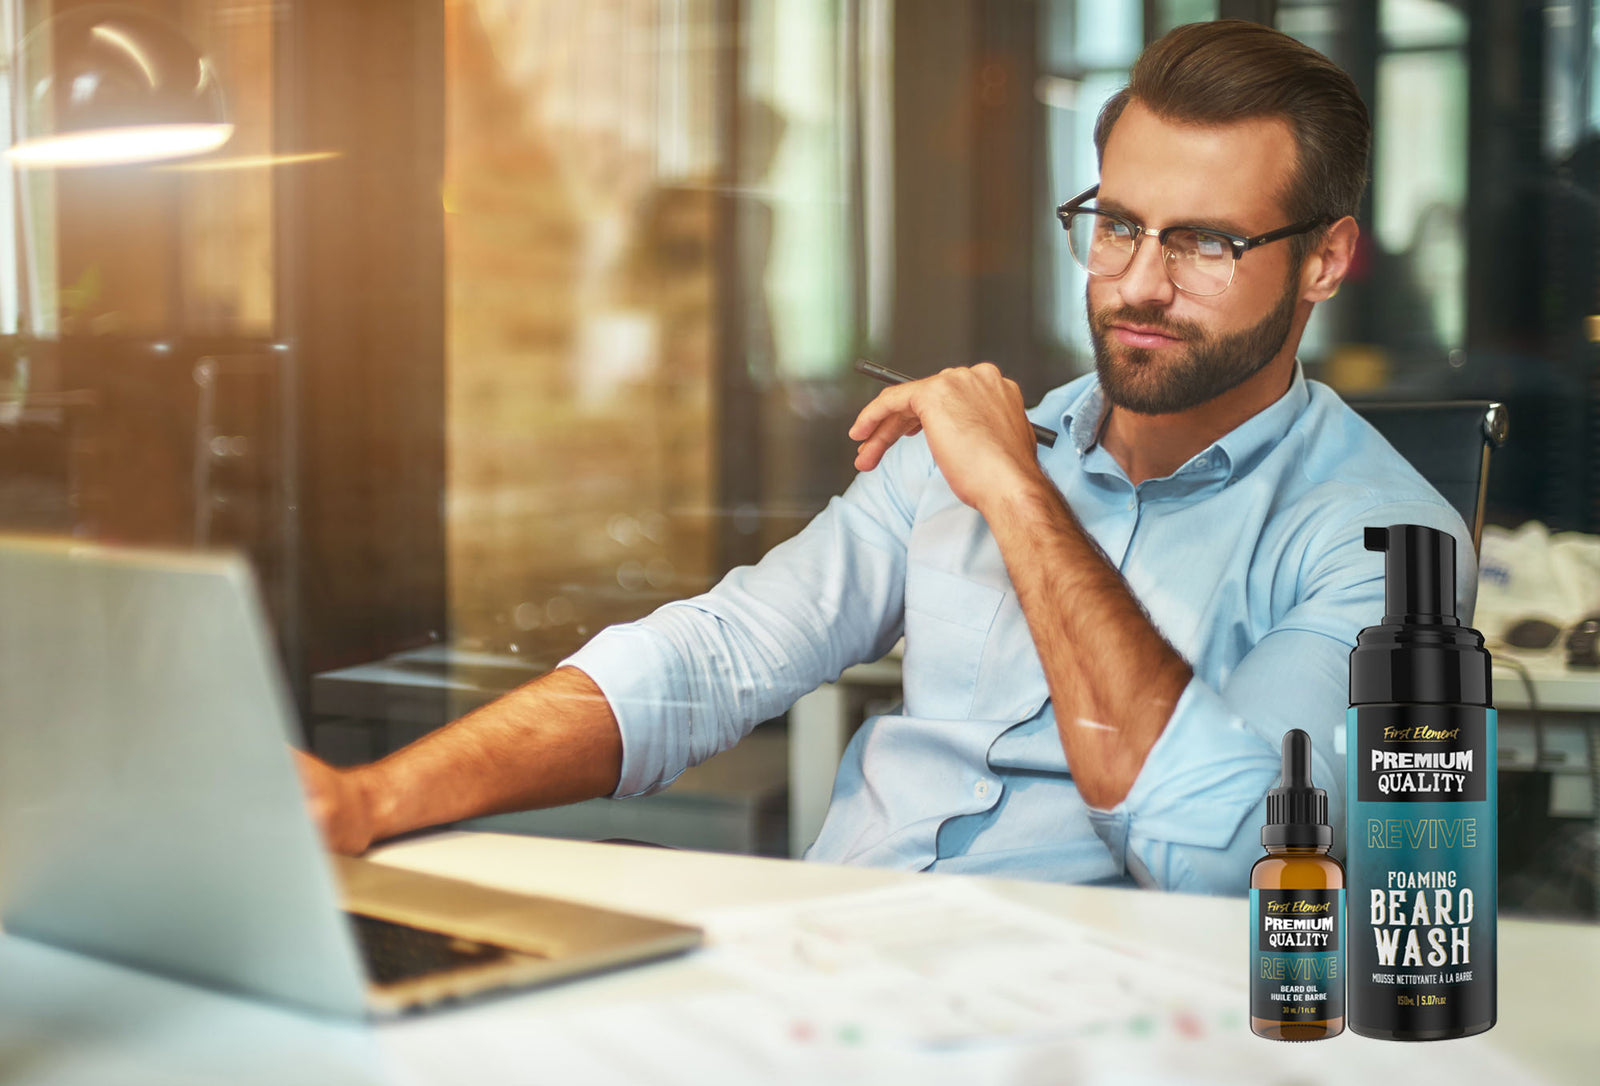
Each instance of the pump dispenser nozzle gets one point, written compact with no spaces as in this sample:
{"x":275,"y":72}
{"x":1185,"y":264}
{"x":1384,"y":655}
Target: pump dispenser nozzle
{"x":1419,"y":573}
{"x":1420,"y":653}
{"x":1297,"y":812}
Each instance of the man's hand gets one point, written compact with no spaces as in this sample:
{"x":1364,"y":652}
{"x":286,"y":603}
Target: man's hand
{"x":978,"y":430}
{"x":339,"y":803}
{"x":549,"y":742}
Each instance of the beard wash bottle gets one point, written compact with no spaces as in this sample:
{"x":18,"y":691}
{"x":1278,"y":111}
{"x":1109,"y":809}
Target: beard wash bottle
{"x":1421,"y":795}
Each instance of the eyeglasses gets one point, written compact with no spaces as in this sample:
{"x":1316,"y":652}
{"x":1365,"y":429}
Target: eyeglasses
{"x":1198,"y":261}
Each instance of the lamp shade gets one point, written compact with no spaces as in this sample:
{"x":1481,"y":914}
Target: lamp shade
{"x":105,"y":84}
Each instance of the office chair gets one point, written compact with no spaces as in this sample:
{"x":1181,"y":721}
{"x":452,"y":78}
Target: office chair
{"x":1448,"y":442}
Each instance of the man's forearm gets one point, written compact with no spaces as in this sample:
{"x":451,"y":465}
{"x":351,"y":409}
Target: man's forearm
{"x":1113,"y":679}
{"x":552,"y":741}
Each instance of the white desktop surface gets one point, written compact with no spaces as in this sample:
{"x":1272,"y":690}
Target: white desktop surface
{"x":68,"y":1020}
{"x":1557,"y":687}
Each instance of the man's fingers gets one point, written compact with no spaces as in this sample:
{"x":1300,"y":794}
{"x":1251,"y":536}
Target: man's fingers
{"x":333,"y":804}
{"x":891,"y":401}
{"x":888,"y":432}
{"x":314,"y":779}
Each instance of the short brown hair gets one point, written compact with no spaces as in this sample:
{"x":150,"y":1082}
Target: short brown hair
{"x":1233,"y":70}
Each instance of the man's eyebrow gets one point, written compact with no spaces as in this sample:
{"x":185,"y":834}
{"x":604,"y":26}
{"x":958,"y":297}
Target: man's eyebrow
{"x":1221,"y":226}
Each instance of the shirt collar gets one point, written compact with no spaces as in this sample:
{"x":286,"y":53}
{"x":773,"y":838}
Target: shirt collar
{"x":1241,"y":447}
{"x":1081,"y":420}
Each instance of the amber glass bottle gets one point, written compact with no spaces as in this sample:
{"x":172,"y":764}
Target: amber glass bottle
{"x":1297,"y":911}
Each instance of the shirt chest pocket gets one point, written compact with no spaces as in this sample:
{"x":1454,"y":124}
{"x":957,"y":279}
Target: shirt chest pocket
{"x":948,"y":618}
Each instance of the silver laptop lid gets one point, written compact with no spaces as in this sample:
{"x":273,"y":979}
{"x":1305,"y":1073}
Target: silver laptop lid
{"x":149,"y":808}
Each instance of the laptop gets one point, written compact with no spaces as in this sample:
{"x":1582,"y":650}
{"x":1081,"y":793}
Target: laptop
{"x":150,"y":812}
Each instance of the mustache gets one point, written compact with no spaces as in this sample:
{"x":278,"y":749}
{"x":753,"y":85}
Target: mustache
{"x":1149,"y":317}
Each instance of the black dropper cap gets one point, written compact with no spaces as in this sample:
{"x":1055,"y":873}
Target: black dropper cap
{"x":1297,"y":813}
{"x":1420,"y":652}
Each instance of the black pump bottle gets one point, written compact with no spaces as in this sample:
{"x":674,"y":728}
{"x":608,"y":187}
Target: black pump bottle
{"x":1421,"y":796}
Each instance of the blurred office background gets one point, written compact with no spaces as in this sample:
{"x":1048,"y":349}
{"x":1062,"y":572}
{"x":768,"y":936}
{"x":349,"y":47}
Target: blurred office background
{"x":498,"y":321}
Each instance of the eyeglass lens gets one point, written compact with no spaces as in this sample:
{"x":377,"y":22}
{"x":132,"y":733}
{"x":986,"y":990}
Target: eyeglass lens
{"x":1197,"y":262}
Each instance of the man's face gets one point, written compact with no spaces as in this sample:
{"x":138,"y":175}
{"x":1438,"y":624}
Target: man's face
{"x":1159,"y":350}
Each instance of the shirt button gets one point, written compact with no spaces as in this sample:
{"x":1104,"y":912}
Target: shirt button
{"x":981,"y":789}
{"x":1132,"y":502}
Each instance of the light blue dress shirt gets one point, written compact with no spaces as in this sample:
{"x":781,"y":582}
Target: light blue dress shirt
{"x":1249,"y":559}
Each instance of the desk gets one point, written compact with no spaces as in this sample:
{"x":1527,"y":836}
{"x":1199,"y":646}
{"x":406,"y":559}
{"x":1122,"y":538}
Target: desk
{"x":1560,"y":739}
{"x":367,"y":710}
{"x":65,"y":1019}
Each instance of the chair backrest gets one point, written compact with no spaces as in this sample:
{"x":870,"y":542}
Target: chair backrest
{"x":1448,"y":442}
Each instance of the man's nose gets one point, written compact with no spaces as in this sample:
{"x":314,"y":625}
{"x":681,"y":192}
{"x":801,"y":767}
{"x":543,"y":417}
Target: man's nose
{"x":1146,"y":281}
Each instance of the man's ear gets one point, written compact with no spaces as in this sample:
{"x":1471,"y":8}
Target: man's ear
{"x":1327,"y":264}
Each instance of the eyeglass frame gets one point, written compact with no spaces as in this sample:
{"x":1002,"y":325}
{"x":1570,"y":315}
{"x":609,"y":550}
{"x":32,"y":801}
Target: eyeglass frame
{"x":1239,"y":243}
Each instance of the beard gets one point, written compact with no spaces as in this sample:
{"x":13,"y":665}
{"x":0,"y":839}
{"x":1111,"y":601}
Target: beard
{"x":1133,"y":379}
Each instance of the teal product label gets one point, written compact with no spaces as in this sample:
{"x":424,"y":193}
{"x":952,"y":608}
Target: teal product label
{"x":1422,"y":869}
{"x":1296,"y":954}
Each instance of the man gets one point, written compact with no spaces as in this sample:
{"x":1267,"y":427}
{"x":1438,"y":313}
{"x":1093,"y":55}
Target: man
{"x":1105,"y":640}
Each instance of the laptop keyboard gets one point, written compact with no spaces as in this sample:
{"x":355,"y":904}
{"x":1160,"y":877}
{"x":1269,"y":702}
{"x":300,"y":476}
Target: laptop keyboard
{"x":396,"y":952}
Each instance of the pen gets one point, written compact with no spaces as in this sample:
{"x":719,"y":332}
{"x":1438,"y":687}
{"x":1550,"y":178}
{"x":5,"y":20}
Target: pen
{"x":1046,"y":436}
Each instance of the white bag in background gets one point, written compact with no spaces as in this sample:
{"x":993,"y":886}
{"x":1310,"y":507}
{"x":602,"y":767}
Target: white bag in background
{"x":1528,"y":573}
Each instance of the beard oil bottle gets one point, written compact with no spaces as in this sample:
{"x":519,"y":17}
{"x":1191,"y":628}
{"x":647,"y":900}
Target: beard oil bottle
{"x":1297,"y":911}
{"x":1421,"y":794}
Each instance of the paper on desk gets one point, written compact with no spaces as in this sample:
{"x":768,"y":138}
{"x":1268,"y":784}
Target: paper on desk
{"x":939,"y":981}
{"x":1008,"y":993}
{"x":944,"y":962}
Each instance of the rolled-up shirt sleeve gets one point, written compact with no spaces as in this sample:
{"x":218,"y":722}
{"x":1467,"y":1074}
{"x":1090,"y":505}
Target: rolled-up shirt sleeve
{"x":1192,"y":819}
{"x":694,"y":676}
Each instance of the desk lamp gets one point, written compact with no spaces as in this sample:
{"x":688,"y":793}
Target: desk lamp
{"x":105,"y":85}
